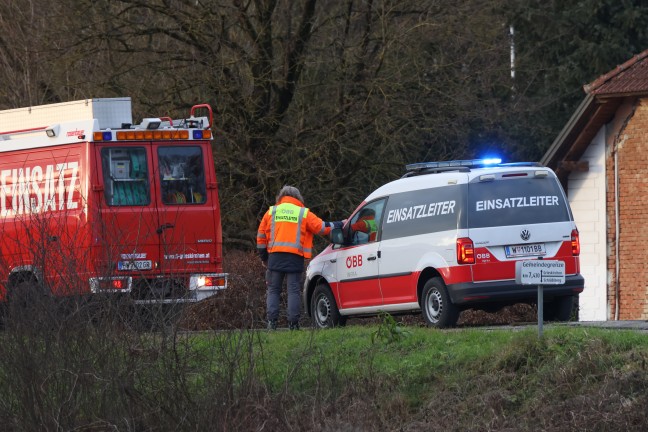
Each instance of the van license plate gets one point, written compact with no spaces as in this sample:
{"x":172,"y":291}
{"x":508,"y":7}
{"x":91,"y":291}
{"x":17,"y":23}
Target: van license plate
{"x":135,"y":265}
{"x":534,"y":249}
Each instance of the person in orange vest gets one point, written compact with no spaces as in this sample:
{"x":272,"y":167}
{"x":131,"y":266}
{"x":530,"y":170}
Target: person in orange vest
{"x":284,"y":241}
{"x":366,"y":223}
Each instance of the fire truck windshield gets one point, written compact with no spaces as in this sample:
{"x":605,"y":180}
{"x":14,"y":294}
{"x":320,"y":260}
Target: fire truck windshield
{"x":126,"y":176}
{"x":180,"y":170}
{"x":182,"y":175}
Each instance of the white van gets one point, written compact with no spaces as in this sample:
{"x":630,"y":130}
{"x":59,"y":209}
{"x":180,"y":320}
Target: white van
{"x":443,"y":238}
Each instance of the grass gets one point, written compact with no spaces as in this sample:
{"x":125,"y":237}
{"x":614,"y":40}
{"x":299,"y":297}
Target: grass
{"x":68,"y":375}
{"x":497,"y":375}
{"x":426,"y":350}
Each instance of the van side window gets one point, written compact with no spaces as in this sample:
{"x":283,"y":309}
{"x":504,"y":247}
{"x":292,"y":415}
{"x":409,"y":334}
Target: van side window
{"x":424,"y":211}
{"x":126,"y":180}
{"x":365,"y":224}
{"x":182,"y":175}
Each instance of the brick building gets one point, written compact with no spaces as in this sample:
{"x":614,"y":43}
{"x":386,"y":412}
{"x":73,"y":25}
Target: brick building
{"x":601,"y":158}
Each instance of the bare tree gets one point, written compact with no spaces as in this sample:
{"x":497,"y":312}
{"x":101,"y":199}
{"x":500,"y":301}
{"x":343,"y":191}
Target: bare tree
{"x":331,"y":96}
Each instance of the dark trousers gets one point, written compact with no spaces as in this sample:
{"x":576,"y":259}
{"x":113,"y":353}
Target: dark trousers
{"x":274,"y":280}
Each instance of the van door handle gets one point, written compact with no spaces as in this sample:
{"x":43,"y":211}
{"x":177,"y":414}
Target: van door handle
{"x":371,"y":257}
{"x":333,"y":260}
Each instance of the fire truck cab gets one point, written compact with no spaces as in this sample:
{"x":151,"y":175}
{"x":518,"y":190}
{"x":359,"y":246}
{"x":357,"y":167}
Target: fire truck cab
{"x":92,"y":203}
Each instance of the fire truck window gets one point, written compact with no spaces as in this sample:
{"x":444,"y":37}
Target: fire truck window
{"x":125,"y":172}
{"x":182,"y":175}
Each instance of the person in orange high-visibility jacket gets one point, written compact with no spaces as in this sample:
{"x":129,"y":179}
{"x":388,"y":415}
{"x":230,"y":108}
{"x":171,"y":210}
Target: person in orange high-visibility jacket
{"x":284,"y":240}
{"x":366,"y":223}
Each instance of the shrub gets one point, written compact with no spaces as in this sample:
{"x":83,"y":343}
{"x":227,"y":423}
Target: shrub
{"x":242,"y":304}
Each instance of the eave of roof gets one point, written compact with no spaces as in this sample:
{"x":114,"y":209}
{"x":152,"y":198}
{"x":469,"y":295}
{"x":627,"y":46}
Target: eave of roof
{"x":580,"y":130}
{"x":603,"y":97}
{"x":629,"y":77}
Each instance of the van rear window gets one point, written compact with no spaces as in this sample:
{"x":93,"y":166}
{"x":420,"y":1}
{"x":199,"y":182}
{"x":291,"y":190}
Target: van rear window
{"x":516,"y":202}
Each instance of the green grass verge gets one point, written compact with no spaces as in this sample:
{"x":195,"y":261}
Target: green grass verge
{"x":411,"y":365}
{"x":380,"y":377}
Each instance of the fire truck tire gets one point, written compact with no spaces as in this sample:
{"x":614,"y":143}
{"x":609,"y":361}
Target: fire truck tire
{"x":324,"y":310}
{"x":437,"y":308}
{"x":559,"y":309}
{"x":25,"y":295}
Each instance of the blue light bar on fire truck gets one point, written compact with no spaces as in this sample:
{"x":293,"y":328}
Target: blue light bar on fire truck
{"x":163,"y":128}
{"x":151,"y":134}
{"x":469,"y":163}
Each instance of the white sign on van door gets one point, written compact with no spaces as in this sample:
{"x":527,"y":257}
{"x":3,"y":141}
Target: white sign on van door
{"x":540,"y":272}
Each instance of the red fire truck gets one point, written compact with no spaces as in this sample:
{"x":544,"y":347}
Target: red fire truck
{"x":92,"y":203}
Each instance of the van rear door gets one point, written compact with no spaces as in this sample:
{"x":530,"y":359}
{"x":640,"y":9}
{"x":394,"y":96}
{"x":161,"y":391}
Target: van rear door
{"x":515,"y":215}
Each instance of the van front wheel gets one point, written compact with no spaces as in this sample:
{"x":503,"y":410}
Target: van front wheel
{"x":437,"y":308}
{"x":323,"y":308}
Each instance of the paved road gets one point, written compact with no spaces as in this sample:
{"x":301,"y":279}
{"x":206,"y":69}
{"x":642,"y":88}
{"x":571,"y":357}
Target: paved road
{"x":628,"y":325}
{"x":638,"y":325}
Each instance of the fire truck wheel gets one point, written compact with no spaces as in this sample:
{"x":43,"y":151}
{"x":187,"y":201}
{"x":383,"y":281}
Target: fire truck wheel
{"x":324,"y":309}
{"x":25,"y":295}
{"x":559,"y":309}
{"x":437,"y":308}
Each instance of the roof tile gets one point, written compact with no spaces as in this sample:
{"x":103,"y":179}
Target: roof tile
{"x":630,"y":77}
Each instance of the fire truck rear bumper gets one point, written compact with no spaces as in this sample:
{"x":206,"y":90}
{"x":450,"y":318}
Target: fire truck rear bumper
{"x":162,"y":290}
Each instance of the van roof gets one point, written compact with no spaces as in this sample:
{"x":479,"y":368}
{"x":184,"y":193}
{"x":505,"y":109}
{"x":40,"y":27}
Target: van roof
{"x":465,"y":165}
{"x":417,"y":178}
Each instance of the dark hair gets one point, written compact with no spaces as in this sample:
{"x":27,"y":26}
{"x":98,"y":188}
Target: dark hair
{"x":367,"y":212}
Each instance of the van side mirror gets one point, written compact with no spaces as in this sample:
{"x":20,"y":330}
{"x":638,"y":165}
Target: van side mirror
{"x":337,"y":236}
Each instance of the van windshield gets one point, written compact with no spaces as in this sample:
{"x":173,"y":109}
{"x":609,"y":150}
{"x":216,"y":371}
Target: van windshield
{"x":516,"y":202}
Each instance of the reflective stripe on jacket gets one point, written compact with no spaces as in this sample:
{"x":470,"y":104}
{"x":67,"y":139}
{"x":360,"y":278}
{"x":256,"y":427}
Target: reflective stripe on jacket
{"x":289,"y":227}
{"x":368,"y":226}
{"x":372,"y":229}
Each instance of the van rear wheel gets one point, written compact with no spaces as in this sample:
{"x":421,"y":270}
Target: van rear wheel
{"x":324,"y":309}
{"x":437,"y":308}
{"x":559,"y":309}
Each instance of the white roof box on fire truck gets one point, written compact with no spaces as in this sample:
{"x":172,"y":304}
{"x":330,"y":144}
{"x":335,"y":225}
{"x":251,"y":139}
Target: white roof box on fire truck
{"x":98,"y":120}
{"x":109,"y":112}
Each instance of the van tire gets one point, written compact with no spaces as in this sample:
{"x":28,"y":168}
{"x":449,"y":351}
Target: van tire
{"x":437,"y":308}
{"x":559,"y":309}
{"x":324,"y":310}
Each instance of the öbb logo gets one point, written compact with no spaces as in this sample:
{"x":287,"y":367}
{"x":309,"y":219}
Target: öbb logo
{"x":354,"y":261}
{"x":483,"y":256}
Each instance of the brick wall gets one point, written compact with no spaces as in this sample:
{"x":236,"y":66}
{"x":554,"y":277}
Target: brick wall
{"x":632,"y":149}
